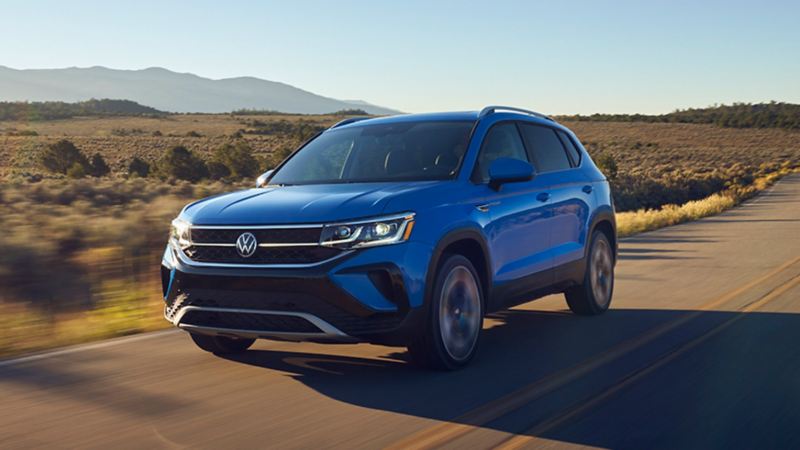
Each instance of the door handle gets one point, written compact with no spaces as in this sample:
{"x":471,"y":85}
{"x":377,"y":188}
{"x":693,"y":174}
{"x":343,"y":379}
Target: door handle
{"x":587,"y":189}
{"x":486,"y":206}
{"x":543,"y":197}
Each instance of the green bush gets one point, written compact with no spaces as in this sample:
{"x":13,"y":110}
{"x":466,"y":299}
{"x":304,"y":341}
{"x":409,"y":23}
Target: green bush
{"x":138,"y":167}
{"x":607,"y":164}
{"x":62,"y":156}
{"x":182,"y":164}
{"x":98,"y":166}
{"x":77,"y":171}
{"x":237,"y":159}
{"x":217,"y":170}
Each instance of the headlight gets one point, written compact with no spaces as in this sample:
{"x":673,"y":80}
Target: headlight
{"x":367,"y":233}
{"x":179,"y":233}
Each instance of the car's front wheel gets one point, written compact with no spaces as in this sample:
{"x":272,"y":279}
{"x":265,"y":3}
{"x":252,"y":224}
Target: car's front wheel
{"x":593,"y":296}
{"x":455,"y":317}
{"x":221,"y":345}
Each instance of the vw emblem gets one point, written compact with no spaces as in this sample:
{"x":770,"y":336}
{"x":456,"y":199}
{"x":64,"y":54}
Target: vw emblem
{"x":246,"y":245}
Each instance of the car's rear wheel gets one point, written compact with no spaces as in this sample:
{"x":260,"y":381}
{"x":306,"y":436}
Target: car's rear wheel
{"x":221,"y":345}
{"x":594,"y":295}
{"x":455,"y":318}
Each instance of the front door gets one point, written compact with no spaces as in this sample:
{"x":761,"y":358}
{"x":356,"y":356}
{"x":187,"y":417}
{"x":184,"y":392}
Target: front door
{"x":519,"y":214}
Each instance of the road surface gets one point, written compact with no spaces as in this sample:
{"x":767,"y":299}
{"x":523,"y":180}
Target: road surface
{"x":701,"y":349}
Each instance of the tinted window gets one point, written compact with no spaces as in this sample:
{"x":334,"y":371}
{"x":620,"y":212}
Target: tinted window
{"x":502,"y":141}
{"x":386,"y":152}
{"x":547,"y":150}
{"x":570,"y":146}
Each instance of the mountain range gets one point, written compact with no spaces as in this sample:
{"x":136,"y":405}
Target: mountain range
{"x":169,"y":91}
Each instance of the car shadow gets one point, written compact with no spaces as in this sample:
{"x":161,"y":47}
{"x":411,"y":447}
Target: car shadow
{"x":521,"y":347}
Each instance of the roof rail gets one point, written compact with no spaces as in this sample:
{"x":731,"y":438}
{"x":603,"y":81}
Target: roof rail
{"x":494,"y":108}
{"x":347,"y":121}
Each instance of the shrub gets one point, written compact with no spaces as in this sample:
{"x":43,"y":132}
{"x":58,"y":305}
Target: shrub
{"x":62,"y":156}
{"x":98,"y":166}
{"x":180,"y":163}
{"x":138,"y":167}
{"x":237,"y":158}
{"x":607,"y":164}
{"x":217,"y":170}
{"x":76,"y":171}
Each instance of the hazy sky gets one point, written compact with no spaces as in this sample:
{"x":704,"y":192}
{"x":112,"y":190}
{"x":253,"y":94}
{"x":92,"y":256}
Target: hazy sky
{"x":557,"y":57}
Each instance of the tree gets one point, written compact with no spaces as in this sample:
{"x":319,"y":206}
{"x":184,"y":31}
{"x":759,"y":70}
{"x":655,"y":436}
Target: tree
{"x":98,"y":166}
{"x":61,"y":156}
{"x":138,"y":167}
{"x":238,"y":159}
{"x":178,"y":162}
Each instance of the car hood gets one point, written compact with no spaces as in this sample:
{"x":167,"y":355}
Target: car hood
{"x":318,"y":203}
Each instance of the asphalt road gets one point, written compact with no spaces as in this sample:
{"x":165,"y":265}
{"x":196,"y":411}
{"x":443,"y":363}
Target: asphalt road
{"x":701,"y":349}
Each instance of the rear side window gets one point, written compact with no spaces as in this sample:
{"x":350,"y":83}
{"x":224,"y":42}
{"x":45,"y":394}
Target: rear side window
{"x":502,"y":141}
{"x":570,"y":146}
{"x":548,"y":152}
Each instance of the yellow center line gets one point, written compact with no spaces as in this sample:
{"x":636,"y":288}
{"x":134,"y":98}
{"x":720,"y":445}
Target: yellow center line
{"x":444,"y":432}
{"x":584,"y":406}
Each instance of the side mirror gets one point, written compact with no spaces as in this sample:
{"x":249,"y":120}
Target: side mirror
{"x":261,"y":181}
{"x":508,"y":170}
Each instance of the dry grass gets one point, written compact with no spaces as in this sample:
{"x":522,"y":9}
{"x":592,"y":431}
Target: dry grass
{"x":634,"y":222}
{"x":119,"y":139}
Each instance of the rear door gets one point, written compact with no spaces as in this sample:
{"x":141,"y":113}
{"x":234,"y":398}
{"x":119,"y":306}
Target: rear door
{"x":570,"y":193}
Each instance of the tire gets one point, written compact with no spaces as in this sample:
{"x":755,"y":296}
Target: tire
{"x":593,"y":297}
{"x":454,"y":320}
{"x":220,"y":345}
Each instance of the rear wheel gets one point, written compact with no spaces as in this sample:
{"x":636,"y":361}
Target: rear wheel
{"x":221,"y":345}
{"x":455,"y":318}
{"x":594,"y":295}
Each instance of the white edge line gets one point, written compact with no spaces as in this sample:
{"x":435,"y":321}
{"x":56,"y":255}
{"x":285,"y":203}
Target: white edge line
{"x":90,"y":346}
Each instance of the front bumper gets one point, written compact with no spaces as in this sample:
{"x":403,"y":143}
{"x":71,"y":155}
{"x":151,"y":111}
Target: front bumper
{"x":373,"y":295}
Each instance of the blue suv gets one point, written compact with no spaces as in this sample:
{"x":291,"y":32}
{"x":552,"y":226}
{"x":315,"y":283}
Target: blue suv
{"x":401,"y":231}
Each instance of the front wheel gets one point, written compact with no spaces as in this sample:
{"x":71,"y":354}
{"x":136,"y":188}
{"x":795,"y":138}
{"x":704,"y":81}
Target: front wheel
{"x":455,"y":318}
{"x":221,"y":345}
{"x":594,"y":295}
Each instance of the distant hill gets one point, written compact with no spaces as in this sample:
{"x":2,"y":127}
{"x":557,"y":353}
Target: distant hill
{"x":738,"y":115}
{"x":168,"y":91}
{"x":33,"y":111}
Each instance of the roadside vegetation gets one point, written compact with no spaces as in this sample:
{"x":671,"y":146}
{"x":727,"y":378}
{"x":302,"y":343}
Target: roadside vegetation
{"x":86,"y":201}
{"x":36,"y":111}
{"x":737,"y":115}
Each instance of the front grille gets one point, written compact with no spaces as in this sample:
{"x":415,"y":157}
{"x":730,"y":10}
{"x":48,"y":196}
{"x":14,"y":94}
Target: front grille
{"x":250,"y":321}
{"x":270,"y":235}
{"x":263,"y":255}
{"x":217,"y":245}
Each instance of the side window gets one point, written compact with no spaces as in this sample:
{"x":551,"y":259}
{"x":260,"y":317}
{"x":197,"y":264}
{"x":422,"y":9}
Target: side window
{"x":547,"y":149}
{"x":502,"y":141}
{"x":574,"y":154}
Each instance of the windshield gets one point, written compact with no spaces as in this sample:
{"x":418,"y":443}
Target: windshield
{"x":406,"y":151}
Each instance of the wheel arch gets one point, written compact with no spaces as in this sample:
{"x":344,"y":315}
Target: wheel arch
{"x":469,"y":243}
{"x":605,"y":220}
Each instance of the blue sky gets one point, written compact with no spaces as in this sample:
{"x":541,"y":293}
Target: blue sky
{"x":557,"y":57}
